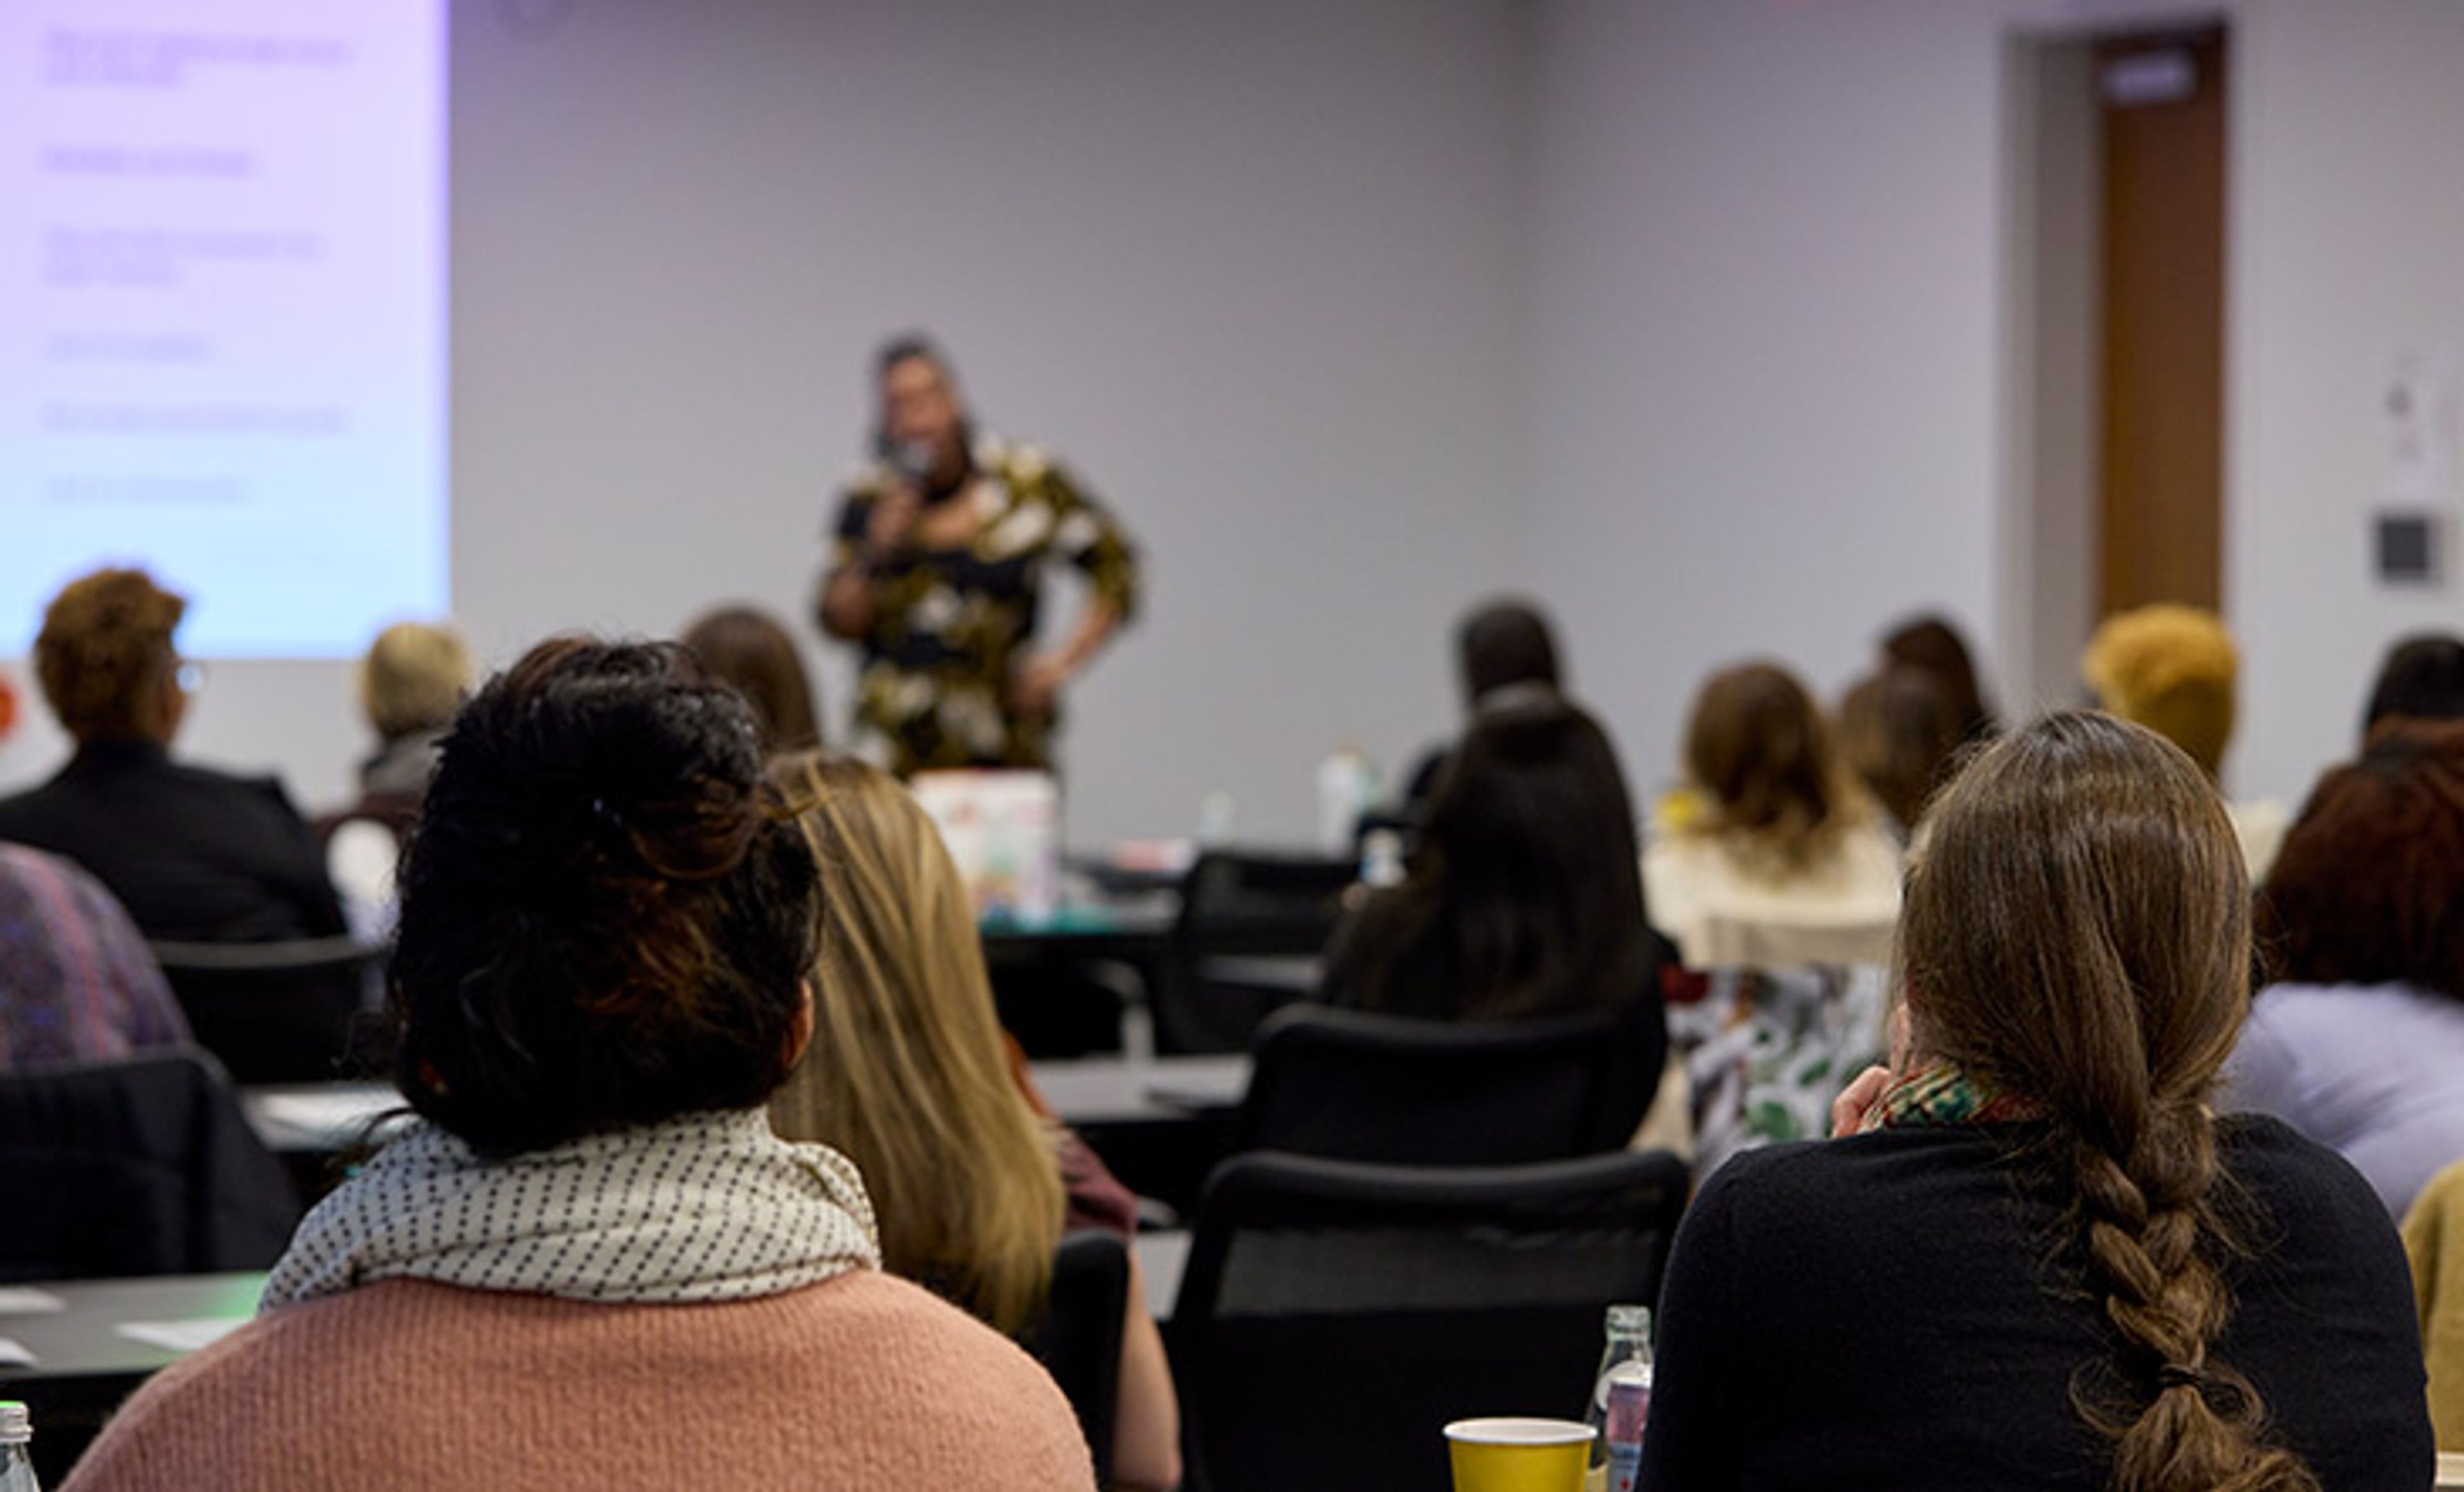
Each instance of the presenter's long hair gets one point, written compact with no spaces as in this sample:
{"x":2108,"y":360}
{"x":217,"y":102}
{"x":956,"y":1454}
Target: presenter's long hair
{"x":2076,"y":932}
{"x":908,"y":1072}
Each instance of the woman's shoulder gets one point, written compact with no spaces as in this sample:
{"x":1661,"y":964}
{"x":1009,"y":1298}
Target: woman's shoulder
{"x":2295,"y":1178}
{"x":866,"y":1364}
{"x":1839,"y":1177}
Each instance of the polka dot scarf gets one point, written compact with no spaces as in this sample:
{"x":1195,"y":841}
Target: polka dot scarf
{"x":705,"y":1207}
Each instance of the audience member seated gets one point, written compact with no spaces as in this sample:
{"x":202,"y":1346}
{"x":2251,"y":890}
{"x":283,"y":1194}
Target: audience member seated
{"x":75,"y":981}
{"x":2174,"y":670}
{"x":1523,"y":897}
{"x":1770,"y":855}
{"x":2360,"y":1046}
{"x":1504,"y":650}
{"x":2043,"y":1262}
{"x":908,"y":1075}
{"x":2421,"y":679}
{"x":411,"y":681}
{"x":2433,"y":1245}
{"x":1900,"y":733}
{"x":1931,"y":645}
{"x":746,"y":649}
{"x":193,"y":854}
{"x":586,"y":1261}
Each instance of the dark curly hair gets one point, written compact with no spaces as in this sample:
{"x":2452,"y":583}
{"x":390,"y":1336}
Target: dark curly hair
{"x":606,"y":914}
{"x":2422,"y":678}
{"x":106,"y":641}
{"x":2369,"y":886}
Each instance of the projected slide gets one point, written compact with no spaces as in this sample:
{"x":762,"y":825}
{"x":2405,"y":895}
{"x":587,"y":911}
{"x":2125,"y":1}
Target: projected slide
{"x":223,"y":311}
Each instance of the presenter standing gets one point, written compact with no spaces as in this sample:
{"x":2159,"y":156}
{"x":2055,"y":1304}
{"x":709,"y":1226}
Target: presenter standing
{"x":935,"y":574}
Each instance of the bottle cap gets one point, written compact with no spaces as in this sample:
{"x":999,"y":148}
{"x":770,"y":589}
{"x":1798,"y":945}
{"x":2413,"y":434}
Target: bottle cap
{"x":1630,"y":1319}
{"x":16,"y":1426}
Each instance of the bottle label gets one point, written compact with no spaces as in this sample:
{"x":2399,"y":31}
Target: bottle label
{"x":1625,"y":1466}
{"x":1629,"y":1404}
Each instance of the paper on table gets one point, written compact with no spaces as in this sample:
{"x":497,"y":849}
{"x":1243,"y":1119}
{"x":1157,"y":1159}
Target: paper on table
{"x":182,"y":1336}
{"x":22,"y":1300}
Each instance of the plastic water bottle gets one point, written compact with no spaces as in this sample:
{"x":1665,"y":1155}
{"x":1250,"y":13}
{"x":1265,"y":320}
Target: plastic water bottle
{"x":1620,"y":1400}
{"x":1381,"y":859}
{"x":16,"y":1453}
{"x":1347,"y":787}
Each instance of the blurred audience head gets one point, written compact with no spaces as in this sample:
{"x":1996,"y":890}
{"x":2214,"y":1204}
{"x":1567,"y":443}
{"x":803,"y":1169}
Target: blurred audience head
{"x":1503,"y":645}
{"x":908,"y":1072}
{"x":2421,"y":679}
{"x":413,"y":678}
{"x":745,"y":647}
{"x":1900,"y":732}
{"x":607,"y":914}
{"x":1757,"y":745}
{"x":105,"y":660}
{"x":2172,"y":668}
{"x":1932,"y":643}
{"x":2369,"y":886}
{"x":1527,"y":871}
{"x":2077,"y":936}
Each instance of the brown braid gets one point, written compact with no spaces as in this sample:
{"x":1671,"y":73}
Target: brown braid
{"x":2078,"y":932}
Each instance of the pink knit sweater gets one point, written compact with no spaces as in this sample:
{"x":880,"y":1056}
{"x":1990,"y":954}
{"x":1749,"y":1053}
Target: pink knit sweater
{"x":860,"y":1382}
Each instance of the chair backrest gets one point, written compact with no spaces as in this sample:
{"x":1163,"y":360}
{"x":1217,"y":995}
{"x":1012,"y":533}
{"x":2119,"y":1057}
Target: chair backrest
{"x":1079,"y":1341}
{"x":1241,"y":904}
{"x":1347,"y":1085}
{"x":1334,"y":1316}
{"x":360,"y":858}
{"x":139,"y":1167}
{"x":285,"y":1012}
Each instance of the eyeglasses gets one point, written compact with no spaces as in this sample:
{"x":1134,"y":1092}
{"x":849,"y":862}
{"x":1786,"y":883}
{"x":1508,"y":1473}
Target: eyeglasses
{"x":191,"y":676}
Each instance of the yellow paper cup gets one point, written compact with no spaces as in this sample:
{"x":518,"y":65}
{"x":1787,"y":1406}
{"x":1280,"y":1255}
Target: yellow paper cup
{"x":1518,"y":1454}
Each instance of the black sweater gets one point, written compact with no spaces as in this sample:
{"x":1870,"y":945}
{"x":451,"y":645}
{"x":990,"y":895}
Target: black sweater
{"x":1904,"y":1310}
{"x":193,"y":854}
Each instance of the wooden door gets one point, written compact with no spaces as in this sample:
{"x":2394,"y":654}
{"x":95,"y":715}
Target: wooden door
{"x":2162,"y":111}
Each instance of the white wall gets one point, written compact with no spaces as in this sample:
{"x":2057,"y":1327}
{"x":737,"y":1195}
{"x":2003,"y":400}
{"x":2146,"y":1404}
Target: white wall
{"x":1691,"y":316}
{"x":1256,"y":270}
{"x":2348,"y":239}
{"x":1764,"y":340}
{"x":1770,"y":315}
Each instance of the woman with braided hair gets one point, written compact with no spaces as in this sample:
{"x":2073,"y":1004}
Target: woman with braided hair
{"x":2042,"y":1262}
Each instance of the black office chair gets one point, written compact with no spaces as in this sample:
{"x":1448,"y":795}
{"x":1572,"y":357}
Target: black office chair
{"x":1079,"y":1339}
{"x":135,"y":1168}
{"x":1347,"y":1085}
{"x":1243,"y":904}
{"x":1334,"y":1316}
{"x":286,"y":1012}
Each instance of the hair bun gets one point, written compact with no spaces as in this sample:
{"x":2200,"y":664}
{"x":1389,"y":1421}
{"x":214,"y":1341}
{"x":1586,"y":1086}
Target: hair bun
{"x":638,"y":766}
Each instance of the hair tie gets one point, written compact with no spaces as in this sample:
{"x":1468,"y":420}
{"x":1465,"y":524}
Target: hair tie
{"x":2180,"y":1375}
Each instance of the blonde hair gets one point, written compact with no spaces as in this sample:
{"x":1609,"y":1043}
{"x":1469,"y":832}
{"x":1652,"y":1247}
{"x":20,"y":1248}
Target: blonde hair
{"x":907,"y":1073}
{"x":2077,"y":930}
{"x":2172,"y":668}
{"x":413,"y":678}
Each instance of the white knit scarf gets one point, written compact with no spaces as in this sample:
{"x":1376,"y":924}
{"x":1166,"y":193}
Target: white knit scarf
{"x":706,"y":1207}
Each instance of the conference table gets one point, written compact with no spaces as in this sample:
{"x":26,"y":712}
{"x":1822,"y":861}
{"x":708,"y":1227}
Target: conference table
{"x":1092,"y":1095}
